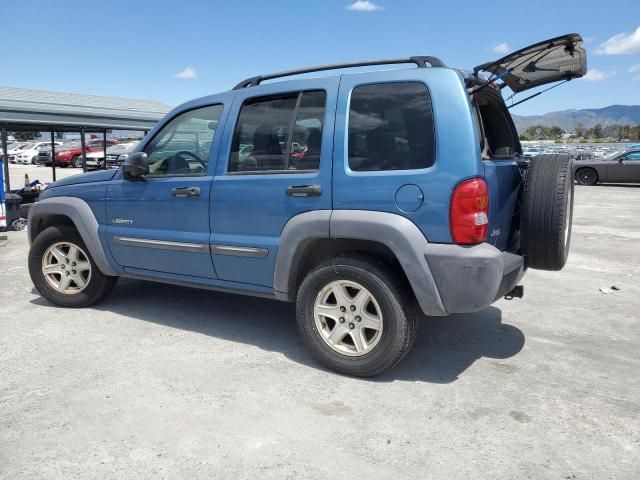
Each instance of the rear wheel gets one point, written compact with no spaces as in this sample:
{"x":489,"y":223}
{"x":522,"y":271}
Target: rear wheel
{"x":356,"y":315}
{"x":63,"y":271}
{"x":586,"y":176}
{"x":547,"y":211}
{"x":77,"y":161}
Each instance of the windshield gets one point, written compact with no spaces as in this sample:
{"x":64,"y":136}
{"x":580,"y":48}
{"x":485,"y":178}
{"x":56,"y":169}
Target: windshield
{"x":120,"y":148}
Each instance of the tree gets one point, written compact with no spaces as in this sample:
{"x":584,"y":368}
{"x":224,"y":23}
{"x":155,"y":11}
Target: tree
{"x":596,"y":131}
{"x":579,"y":129}
{"x":25,"y":135}
{"x":540,"y":132}
{"x":554,"y":132}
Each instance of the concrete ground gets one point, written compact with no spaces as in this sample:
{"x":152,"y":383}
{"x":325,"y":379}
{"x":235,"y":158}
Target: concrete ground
{"x":169,"y":382}
{"x":37,"y":172}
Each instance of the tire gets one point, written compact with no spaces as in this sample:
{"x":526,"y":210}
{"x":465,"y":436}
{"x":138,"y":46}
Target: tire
{"x":586,"y":176}
{"x":547,"y":211}
{"x":77,"y":161}
{"x":18,"y":224}
{"x":97,"y":285}
{"x":392,"y":304}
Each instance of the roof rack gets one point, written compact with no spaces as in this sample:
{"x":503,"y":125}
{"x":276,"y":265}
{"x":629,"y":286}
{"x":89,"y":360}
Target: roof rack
{"x":420,"y":61}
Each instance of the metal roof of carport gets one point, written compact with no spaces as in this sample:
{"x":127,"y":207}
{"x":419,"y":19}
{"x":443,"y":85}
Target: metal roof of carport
{"x":27,"y":108}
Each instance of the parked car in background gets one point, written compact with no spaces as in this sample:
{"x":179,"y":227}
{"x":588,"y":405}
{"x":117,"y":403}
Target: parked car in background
{"x":529,"y":153}
{"x":13,"y":149}
{"x":622,"y":166}
{"x":29,"y":154}
{"x":44,"y":155}
{"x":114,"y":152}
{"x":72,"y":156}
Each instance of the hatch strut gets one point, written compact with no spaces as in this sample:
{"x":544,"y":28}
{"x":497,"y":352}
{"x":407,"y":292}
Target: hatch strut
{"x":536,"y":94}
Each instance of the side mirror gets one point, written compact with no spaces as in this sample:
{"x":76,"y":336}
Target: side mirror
{"x":136,"y":165}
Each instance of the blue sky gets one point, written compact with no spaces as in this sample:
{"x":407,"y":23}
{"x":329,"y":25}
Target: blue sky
{"x":174,"y":51}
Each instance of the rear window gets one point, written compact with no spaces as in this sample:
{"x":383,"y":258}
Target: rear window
{"x":391,"y":127}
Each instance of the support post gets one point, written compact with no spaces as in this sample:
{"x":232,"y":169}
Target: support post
{"x":53,"y":155}
{"x":5,"y":160}
{"x":84,"y":150}
{"x":104,"y":150}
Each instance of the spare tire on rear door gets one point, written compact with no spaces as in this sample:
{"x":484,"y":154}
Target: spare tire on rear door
{"x":547,"y":210}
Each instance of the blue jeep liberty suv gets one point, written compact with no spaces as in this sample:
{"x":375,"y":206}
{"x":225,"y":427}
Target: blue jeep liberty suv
{"x":367,"y":198}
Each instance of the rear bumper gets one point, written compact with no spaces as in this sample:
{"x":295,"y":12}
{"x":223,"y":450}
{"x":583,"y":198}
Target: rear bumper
{"x":470,"y":278}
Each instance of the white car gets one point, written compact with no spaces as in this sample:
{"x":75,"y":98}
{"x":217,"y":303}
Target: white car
{"x":14,"y":149}
{"x":29,"y":154}
{"x":529,"y":153}
{"x":96,"y":159}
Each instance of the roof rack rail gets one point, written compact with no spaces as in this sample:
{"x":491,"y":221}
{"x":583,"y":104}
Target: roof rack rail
{"x":420,"y":61}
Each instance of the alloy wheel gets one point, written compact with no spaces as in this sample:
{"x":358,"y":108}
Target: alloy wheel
{"x":348,"y":318}
{"x":66,"y":267}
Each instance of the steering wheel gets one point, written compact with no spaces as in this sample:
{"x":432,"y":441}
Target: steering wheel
{"x":180,"y":153}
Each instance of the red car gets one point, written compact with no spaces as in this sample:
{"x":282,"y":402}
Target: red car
{"x":73,"y":155}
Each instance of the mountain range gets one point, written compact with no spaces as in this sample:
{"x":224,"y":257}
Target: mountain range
{"x":588,"y":117}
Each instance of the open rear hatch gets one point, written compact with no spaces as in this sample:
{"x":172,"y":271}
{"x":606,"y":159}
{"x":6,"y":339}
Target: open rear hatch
{"x":553,"y":60}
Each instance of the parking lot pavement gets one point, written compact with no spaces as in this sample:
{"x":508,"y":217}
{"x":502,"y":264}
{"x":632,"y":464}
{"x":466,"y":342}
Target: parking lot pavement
{"x":37,"y":172}
{"x":168,"y":382}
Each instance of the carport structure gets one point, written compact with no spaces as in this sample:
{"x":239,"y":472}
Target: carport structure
{"x":37,"y":110}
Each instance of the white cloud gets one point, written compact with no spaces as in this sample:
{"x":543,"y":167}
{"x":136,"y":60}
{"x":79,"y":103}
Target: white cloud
{"x":595,"y":75}
{"x":634,"y":68}
{"x":502,"y":48}
{"x":621,"y":44}
{"x":189,"y":73}
{"x":364,"y":6}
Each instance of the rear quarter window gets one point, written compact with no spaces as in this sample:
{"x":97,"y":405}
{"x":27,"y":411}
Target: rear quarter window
{"x":391,"y":127}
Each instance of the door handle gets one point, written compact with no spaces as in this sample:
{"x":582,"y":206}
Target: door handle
{"x":304,"y":190}
{"x":184,"y":192}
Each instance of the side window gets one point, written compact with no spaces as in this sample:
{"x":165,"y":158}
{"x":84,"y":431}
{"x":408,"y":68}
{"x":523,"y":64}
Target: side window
{"x":279,"y":133}
{"x":182,"y":146}
{"x":632,"y":156}
{"x":390,"y":127}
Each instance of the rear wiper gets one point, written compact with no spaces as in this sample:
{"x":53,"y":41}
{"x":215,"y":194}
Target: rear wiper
{"x":493,"y":78}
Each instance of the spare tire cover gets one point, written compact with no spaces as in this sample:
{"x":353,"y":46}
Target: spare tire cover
{"x":547,"y":211}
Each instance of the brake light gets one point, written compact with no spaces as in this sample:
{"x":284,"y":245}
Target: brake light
{"x":468,"y":217}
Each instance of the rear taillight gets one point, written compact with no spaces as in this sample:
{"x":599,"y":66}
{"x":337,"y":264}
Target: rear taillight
{"x":469,"y":212}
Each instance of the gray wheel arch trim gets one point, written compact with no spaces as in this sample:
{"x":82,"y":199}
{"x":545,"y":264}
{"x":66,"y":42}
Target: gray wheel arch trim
{"x":396,"y":232}
{"x":296,"y":236}
{"x":79,"y":212}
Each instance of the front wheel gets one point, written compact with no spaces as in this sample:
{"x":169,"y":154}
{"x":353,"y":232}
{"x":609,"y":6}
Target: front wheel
{"x":356,"y":315}
{"x":63,"y":271}
{"x":586,"y":176}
